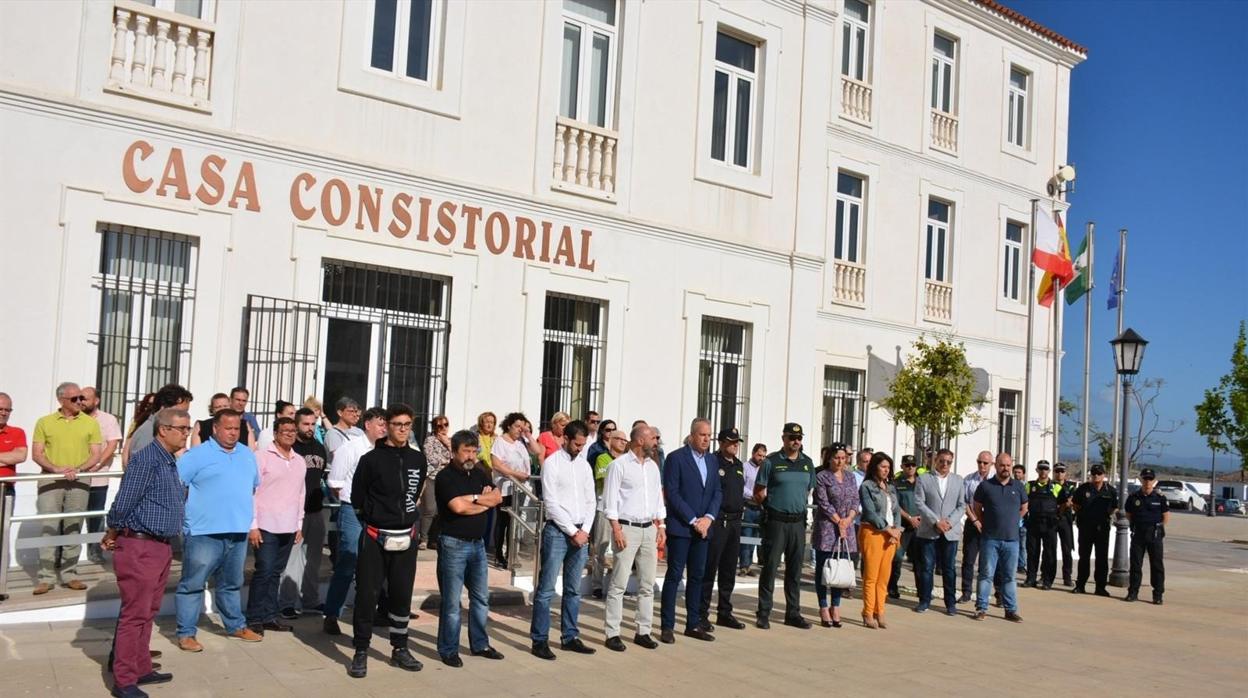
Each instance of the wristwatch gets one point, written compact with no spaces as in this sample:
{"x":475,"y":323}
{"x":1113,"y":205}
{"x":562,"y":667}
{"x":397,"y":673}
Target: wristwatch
{"x":475,"y":497}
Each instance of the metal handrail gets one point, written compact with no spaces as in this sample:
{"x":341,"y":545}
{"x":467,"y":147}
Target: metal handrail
{"x":517,"y":520}
{"x":39,"y":477}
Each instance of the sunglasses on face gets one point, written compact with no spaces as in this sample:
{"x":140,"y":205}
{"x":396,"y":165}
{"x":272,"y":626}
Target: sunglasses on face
{"x":792,"y":438}
{"x":76,"y":398}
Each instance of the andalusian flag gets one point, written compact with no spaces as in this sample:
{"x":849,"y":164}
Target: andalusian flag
{"x":1082,"y":283}
{"x":1052,"y":254}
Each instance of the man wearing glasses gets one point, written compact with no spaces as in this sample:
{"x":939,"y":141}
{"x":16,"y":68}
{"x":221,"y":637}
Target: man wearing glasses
{"x":972,"y":532}
{"x":783,"y":487}
{"x":65,"y":442}
{"x":385,"y":492}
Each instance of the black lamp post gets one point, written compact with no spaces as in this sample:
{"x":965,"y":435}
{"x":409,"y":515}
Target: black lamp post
{"x":1128,"y":356}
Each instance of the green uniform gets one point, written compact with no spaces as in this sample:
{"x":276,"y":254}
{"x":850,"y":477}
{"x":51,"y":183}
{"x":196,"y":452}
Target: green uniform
{"x":788,"y":484}
{"x":905,"y":500}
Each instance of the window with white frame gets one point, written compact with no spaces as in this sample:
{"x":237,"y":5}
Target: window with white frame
{"x":723,"y":374}
{"x":856,"y":40}
{"x":1007,"y":421}
{"x":843,"y":406}
{"x":1011,"y":273}
{"x":587,"y":88}
{"x":402,"y":40}
{"x":1016,"y":104}
{"x":146,"y":282}
{"x":944,"y":73}
{"x":847,"y":238}
{"x":937,"y":241}
{"x":736,"y":91}
{"x":572,"y":365}
{"x":200,"y":9}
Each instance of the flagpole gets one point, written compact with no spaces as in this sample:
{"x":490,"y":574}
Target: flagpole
{"x":1087,"y":349}
{"x":1031,"y":305}
{"x":1057,"y":366}
{"x":1121,"y":292}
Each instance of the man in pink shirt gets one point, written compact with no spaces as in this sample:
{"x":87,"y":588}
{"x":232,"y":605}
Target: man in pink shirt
{"x":277,"y":523}
{"x":98,"y":497}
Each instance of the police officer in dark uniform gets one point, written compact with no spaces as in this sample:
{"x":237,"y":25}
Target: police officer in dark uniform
{"x":1095,"y":503}
{"x":783,"y":486}
{"x":1042,"y":509}
{"x":905,"y":482}
{"x":1065,"y":519}
{"x":1149,"y":512}
{"x":725,"y":543}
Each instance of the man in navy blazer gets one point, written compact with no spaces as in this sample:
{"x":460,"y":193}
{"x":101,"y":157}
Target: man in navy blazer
{"x":692,"y":490}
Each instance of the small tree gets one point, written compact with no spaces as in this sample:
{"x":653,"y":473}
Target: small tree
{"x":1213,"y":423}
{"x":934,"y":392}
{"x":1234,"y":386}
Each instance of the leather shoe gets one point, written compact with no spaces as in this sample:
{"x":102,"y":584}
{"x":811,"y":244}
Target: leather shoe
{"x":763,"y":623}
{"x":894,"y":594}
{"x":1102,"y":592}
{"x":247,"y":635}
{"x":128,"y":692}
{"x":359,"y":665}
{"x":330,"y":626}
{"x":706,"y":627}
{"x":1131,"y":596}
{"x":699,"y":634}
{"x":797,"y":622}
{"x":41,"y":588}
{"x":75,"y":584}
{"x":403,"y":659}
{"x":277,"y":626}
{"x":921,"y":608}
{"x":154,"y":677}
{"x":645,"y":641}
{"x":1027,"y":584}
{"x":1078,"y":590}
{"x":488,"y":653}
{"x":1157,"y":600}
{"x":667,"y":636}
{"x":615,"y":644}
{"x":155,"y":654}
{"x":189,"y":644}
{"x":729,"y":622}
{"x":980,"y":615}
{"x":575,"y":645}
{"x":452,"y":660}
{"x":1013,"y":617}
{"x":965,"y":598}
{"x":541,"y":650}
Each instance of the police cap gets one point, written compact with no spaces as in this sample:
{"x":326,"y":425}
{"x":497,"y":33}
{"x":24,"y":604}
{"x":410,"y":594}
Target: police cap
{"x":793,"y":429}
{"x":1148,"y":474}
{"x":1097,"y":469}
{"x":729,"y":435}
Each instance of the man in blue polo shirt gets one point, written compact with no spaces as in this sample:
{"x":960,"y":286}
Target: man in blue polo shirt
{"x":1000,"y":503}
{"x":220,"y":476}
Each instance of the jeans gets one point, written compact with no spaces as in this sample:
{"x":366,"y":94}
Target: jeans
{"x":220,"y":556}
{"x":932,"y":550}
{"x":747,"y":551}
{"x":998,"y":559}
{"x":682,"y":552}
{"x":1022,"y":548}
{"x":558,"y":553}
{"x":349,"y":532}
{"x":462,"y":562}
{"x":271,"y":558}
{"x":301,"y":581}
{"x":821,"y":590}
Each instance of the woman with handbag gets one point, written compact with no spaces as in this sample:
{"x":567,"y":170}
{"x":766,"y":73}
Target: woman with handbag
{"x":877,"y":537}
{"x":836,"y":506}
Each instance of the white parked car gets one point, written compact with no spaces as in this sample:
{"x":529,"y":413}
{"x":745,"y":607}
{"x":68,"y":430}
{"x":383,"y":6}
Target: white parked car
{"x":1181,"y":495}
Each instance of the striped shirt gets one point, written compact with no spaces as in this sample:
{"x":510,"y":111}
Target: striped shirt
{"x":151,"y":498}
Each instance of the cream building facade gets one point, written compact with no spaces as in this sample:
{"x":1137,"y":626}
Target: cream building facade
{"x":746,"y":210}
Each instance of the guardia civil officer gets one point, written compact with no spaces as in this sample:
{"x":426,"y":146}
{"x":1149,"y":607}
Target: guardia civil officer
{"x":1148,"y":512}
{"x":1042,"y":515}
{"x":725,"y":543}
{"x":1065,"y":519}
{"x":783,"y":487}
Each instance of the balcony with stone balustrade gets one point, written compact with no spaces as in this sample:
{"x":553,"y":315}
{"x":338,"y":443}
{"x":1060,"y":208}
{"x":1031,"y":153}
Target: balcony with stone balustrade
{"x":584,"y":159}
{"x":161,"y":56}
{"x":938,"y":301}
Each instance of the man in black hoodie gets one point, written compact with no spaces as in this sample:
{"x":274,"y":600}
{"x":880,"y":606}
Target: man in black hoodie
{"x":385,"y":491}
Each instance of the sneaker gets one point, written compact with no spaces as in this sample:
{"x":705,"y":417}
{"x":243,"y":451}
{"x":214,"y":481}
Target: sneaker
{"x":359,"y":665}
{"x":403,"y":659}
{"x":289,"y":613}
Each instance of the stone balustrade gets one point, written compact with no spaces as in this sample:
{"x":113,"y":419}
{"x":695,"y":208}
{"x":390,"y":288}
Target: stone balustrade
{"x":944,"y":131}
{"x":855,"y":99}
{"x":160,"y":56}
{"x":849,"y":283}
{"x":584,"y":159}
{"x":938,"y":301}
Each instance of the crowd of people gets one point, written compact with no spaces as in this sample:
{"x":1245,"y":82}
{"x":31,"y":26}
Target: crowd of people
{"x":224,"y":486}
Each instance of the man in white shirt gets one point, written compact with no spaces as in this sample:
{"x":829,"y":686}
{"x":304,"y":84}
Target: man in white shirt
{"x":341,"y":471}
{"x":632,"y":500}
{"x":972,"y":531}
{"x":568,"y":493}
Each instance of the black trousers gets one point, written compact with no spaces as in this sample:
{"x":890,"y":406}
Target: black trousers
{"x":971,"y":538}
{"x":502,"y":526}
{"x":1042,"y":548}
{"x":722,"y":552}
{"x":398,"y":571}
{"x":786,"y":539}
{"x":1066,"y":539}
{"x":1147,"y":538}
{"x":1094,"y":536}
{"x":908,"y":549}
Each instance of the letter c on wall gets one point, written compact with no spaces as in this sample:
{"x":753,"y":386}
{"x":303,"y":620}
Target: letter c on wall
{"x":131,"y":177}
{"x":303,"y":182}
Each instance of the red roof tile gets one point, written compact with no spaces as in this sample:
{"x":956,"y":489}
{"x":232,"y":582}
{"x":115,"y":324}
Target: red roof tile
{"x":1028,"y":23}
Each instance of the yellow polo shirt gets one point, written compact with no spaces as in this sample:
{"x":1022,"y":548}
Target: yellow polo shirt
{"x":67,"y":442}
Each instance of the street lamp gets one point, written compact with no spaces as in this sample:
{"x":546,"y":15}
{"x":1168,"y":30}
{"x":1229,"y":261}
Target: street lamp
{"x":1128,"y":356}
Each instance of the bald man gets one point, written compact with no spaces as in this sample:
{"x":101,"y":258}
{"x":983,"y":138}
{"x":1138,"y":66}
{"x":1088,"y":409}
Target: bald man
{"x":972,"y":531}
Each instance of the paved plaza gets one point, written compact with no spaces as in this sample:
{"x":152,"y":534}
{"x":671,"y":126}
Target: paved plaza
{"x":1197,"y":644}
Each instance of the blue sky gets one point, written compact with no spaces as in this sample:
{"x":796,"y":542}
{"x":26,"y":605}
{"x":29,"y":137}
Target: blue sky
{"x":1159,"y":134}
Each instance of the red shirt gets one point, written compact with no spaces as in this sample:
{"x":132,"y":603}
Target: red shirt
{"x":11,"y":439}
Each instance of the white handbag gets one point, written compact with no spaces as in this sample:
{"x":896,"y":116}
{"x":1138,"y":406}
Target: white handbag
{"x":838,"y":572}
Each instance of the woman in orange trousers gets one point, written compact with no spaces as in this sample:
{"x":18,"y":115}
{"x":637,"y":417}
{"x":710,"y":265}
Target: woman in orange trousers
{"x":879,"y":533}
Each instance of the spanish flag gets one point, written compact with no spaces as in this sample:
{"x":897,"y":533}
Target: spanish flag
{"x":1052,"y":254}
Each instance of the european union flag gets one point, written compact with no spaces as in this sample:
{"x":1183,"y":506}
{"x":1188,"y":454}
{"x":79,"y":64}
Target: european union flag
{"x":1115,"y":282}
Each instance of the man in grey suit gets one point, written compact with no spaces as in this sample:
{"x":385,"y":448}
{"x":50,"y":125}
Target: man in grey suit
{"x":940,"y":499}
